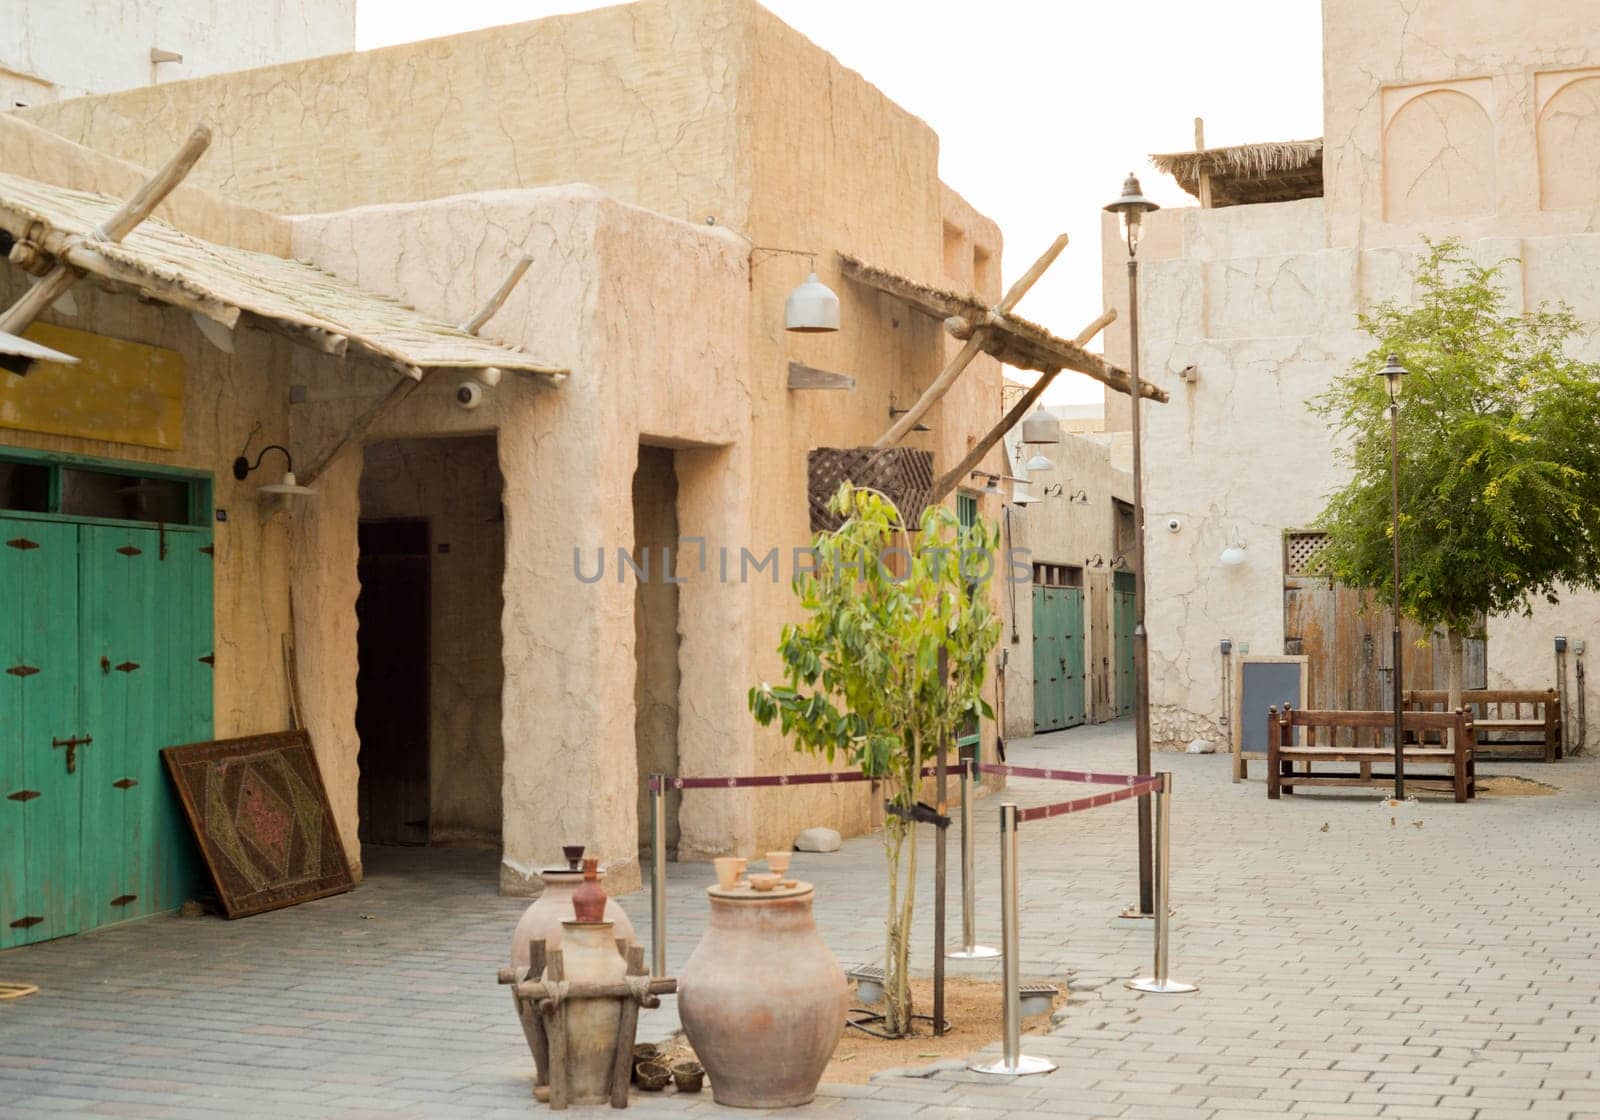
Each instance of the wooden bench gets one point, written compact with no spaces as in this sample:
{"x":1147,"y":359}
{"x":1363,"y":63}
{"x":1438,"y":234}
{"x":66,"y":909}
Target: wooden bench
{"x":1515,"y":721}
{"x":1283,"y":751}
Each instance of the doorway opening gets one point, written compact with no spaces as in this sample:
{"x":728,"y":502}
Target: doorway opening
{"x":430,"y":669}
{"x":656,"y":635}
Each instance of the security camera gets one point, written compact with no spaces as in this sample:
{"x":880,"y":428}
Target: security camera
{"x":469,"y":394}
{"x":1173,"y":524}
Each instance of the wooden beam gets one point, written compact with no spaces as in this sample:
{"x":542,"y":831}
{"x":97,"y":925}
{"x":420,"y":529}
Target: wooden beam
{"x":952,"y":478}
{"x":19,"y":315}
{"x":802,"y":376}
{"x":496,"y":301}
{"x":957,"y":365}
{"x":1205,"y":176}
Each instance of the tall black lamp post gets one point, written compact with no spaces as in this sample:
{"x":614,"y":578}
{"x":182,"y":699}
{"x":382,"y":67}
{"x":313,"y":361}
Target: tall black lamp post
{"x":1392,"y":372}
{"x":1132,"y":206}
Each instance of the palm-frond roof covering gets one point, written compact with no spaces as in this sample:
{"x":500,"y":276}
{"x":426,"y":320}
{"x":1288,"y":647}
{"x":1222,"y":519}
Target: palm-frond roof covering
{"x":1249,"y":173}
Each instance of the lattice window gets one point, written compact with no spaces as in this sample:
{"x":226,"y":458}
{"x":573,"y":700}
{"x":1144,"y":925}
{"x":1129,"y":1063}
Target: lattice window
{"x":1299,"y":550}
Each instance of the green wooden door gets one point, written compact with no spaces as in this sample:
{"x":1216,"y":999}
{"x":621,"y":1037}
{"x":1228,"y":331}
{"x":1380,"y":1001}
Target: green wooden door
{"x":1073,"y":694}
{"x":1058,"y":687}
{"x":145,"y":632}
{"x":1122,"y":610}
{"x":41,"y":814}
{"x":971,"y":733}
{"x":110,"y":641}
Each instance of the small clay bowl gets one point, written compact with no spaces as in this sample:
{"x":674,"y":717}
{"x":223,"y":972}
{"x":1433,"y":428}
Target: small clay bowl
{"x":728,"y":870}
{"x":690,"y":1076}
{"x":764,"y":882}
{"x":778,"y":862}
{"x":652,"y":1077}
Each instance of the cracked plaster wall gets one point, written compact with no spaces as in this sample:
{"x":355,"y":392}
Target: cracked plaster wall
{"x":694,"y":109}
{"x":110,"y":43}
{"x":1263,"y":299}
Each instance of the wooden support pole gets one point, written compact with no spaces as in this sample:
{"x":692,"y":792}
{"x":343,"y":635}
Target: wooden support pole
{"x":952,"y":478}
{"x":1205,"y":176}
{"x":957,"y":365}
{"x":19,"y":315}
{"x":497,"y":301}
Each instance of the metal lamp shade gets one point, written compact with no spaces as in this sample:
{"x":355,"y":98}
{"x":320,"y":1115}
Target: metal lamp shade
{"x":289,"y":485}
{"x":1041,"y":427}
{"x":1232,"y":556}
{"x":1039,"y":463}
{"x":812,"y":308}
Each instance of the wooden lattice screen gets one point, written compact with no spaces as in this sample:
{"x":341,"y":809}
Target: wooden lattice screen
{"x":905,"y":474}
{"x":1299,"y":550}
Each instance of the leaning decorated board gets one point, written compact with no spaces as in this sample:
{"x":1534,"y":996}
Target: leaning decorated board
{"x":262,"y":819}
{"x":1262,"y":682}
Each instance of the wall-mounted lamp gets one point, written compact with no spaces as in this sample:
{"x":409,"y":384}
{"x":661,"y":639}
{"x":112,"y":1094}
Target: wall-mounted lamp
{"x":1234,"y":554}
{"x":1053,"y":491}
{"x":1081,"y":498}
{"x":813,"y":307}
{"x":1120,"y":562}
{"x":243,"y":468}
{"x":896,"y":411}
{"x":991,"y":483}
{"x":1095,"y":561}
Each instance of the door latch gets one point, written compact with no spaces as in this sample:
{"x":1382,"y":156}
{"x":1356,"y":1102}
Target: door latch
{"x":72,"y":746}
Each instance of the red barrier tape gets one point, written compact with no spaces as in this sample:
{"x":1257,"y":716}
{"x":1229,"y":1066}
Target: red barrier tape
{"x":1093,"y":801}
{"x":1065,"y":775}
{"x":830,"y":777}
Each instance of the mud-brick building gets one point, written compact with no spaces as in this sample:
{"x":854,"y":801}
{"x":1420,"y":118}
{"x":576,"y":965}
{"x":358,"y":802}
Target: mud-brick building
{"x":431,"y":614}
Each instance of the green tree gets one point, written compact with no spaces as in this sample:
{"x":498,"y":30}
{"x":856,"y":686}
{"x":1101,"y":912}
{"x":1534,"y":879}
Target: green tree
{"x":888,"y":663}
{"x":1499,"y":454}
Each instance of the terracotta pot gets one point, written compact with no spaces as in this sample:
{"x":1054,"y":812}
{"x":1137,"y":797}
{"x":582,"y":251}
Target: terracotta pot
{"x":778,"y":862}
{"x":589,"y":956}
{"x":762,"y":1000}
{"x":728,"y":869}
{"x":542,"y":920}
{"x":589,"y":900}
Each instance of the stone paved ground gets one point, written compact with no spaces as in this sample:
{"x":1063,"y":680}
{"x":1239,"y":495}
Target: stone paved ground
{"x":1347,"y":968}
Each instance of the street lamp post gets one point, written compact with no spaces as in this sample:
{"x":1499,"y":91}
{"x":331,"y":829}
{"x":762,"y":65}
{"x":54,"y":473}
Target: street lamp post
{"x":1392,"y":372}
{"x":1132,"y":206}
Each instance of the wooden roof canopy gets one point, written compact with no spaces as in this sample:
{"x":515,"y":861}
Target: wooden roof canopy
{"x":1245,"y":174}
{"x":61,"y":235}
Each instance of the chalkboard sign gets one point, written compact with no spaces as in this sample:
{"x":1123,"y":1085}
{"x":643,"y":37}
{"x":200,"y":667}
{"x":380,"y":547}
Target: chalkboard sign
{"x":1261,"y":682}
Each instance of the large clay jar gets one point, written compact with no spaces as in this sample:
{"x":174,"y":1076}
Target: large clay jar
{"x":542,"y":920}
{"x":762,"y":1000}
{"x":589,"y":956}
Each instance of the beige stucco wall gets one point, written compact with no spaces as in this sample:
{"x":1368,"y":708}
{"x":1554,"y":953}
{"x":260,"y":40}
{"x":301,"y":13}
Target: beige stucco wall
{"x":693,"y":109}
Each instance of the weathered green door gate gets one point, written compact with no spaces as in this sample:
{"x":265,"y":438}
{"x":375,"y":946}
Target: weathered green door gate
{"x":1122,"y":612}
{"x":1059,"y":698}
{"x":105,"y":658}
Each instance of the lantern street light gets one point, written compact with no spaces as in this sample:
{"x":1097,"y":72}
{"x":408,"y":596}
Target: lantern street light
{"x":1132,"y":206}
{"x":1392,"y":372}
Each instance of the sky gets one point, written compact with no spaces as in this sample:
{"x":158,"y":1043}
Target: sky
{"x":1041,"y":106}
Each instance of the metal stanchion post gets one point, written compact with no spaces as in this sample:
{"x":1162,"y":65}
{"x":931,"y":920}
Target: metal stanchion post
{"x":970,"y":950}
{"x":1013,"y":1061}
{"x":1159,"y":983}
{"x":658,"y":875}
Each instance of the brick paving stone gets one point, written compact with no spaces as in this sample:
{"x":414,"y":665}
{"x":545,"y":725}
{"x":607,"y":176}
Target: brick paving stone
{"x":1347,"y":969}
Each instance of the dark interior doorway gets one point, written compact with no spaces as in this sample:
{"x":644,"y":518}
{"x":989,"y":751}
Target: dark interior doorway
{"x":393,"y":614}
{"x":656,"y":639}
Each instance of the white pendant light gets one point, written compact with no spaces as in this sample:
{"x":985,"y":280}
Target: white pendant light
{"x":289,"y":485}
{"x":1023,"y":499}
{"x":1234,"y":554}
{"x":1041,"y":427}
{"x":1039,"y":463}
{"x":812,"y":308}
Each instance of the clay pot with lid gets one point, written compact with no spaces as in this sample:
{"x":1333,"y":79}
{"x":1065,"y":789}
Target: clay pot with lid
{"x":762,"y":999}
{"x":543,"y":920}
{"x":589,"y":956}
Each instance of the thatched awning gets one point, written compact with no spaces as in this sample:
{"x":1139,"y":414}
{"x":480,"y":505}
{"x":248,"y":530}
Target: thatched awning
{"x":225,"y":284}
{"x":1250,"y":173}
{"x":1013,"y":340}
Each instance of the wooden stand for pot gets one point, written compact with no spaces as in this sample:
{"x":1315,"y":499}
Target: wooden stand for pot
{"x":541,"y":992}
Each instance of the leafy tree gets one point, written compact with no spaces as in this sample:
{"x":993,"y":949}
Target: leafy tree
{"x":887,"y":665}
{"x":1499,"y":454}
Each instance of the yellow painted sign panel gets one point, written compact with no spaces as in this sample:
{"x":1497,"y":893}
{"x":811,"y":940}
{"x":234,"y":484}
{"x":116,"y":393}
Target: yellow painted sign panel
{"x":124,"y":392}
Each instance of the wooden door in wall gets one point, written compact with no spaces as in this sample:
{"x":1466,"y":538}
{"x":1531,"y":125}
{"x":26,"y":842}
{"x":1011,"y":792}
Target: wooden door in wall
{"x":1059,"y":688}
{"x":394,"y":621}
{"x":106,"y":650}
{"x":1122,"y":613}
{"x":1347,"y":636}
{"x":970,"y":737}
{"x":1099,"y":650}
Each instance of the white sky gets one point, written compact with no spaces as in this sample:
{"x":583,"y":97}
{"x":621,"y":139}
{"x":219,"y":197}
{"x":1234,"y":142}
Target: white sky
{"x":1041,"y":106}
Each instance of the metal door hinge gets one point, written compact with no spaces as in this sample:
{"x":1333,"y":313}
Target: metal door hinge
{"x":24,"y":544}
{"x":208,"y":659}
{"x":123,"y":899}
{"x":22,"y":670}
{"x":24,"y":923}
{"x":22,"y":795}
